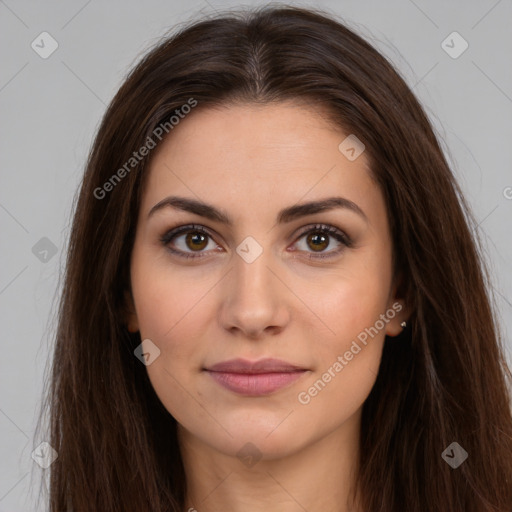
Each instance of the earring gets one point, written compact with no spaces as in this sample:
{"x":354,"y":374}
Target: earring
{"x":403,"y":325}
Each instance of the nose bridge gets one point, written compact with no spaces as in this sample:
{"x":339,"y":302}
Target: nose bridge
{"x":253,"y":299}
{"x":251,"y":277}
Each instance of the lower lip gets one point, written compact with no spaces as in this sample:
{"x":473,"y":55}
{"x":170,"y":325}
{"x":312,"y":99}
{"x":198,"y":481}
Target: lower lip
{"x":255,"y":384}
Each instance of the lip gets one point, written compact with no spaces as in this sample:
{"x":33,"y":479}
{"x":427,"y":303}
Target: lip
{"x":267,"y":365}
{"x":255,"y":378}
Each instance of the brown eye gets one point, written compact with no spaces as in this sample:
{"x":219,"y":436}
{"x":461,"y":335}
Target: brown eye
{"x":189,"y":241}
{"x":314,"y":241}
{"x":317,"y":242}
{"x":196,"y":241}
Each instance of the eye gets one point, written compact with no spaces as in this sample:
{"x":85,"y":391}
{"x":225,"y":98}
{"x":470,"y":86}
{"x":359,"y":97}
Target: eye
{"x":188,"y":241}
{"x":193,"y":241}
{"x":319,"y":237}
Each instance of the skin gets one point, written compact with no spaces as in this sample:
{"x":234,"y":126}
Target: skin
{"x":250,"y":162}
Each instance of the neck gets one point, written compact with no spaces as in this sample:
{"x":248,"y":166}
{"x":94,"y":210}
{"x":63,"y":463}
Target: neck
{"x":317,"y":477}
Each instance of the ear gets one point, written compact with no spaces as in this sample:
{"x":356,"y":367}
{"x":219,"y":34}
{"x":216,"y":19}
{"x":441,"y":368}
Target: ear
{"x":130,"y":316}
{"x":398,"y":310}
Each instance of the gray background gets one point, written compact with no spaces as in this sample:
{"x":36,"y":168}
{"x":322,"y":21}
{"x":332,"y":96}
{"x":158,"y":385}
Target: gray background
{"x":51,"y":108}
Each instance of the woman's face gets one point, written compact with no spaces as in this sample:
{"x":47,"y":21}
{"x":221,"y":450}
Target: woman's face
{"x":264,"y":279}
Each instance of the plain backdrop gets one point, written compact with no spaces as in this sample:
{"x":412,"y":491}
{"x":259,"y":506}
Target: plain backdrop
{"x":51,"y":107}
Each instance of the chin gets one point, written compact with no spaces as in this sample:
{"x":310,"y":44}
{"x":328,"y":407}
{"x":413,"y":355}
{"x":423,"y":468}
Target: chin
{"x":256,"y":434}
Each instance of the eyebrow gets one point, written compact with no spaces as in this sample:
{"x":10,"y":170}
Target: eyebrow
{"x":286,"y":215}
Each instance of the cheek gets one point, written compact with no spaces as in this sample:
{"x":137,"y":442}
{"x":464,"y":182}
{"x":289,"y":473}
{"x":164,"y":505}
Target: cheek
{"x":347,"y":359}
{"x":168,"y":306}
{"x":349,"y":304}
{"x":171,"y":323}
{"x":166,"y":297}
{"x":169,"y":319}
{"x":349,"y":349}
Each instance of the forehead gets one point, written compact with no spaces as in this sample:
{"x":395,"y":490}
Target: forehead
{"x":252,"y":132}
{"x":258,"y":155}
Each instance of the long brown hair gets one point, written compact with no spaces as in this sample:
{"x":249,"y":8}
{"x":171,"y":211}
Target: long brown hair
{"x":443,"y":380}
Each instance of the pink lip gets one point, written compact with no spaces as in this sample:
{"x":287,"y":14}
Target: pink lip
{"x":253,"y":378}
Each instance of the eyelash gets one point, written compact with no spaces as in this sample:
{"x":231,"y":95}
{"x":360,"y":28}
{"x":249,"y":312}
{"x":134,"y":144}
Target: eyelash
{"x":316,"y":228}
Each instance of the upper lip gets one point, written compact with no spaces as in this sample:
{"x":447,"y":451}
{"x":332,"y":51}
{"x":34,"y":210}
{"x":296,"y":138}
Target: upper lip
{"x":268,"y":365}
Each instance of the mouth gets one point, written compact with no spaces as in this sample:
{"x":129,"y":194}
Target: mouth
{"x":255,"y":378}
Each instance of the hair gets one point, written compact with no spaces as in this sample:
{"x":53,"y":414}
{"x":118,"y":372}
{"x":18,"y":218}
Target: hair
{"x":444,"y":379}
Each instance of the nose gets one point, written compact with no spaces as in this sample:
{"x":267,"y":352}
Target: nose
{"x":255,"y":300}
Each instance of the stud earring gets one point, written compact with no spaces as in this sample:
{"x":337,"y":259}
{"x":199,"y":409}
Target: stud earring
{"x":403,"y":325}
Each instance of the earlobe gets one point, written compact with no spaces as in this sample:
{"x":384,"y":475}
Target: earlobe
{"x":399,"y":311}
{"x":400,"y":321}
{"x":394,"y":328}
{"x":132,"y":326}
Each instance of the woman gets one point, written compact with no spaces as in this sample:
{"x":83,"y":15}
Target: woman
{"x":273,"y":299}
